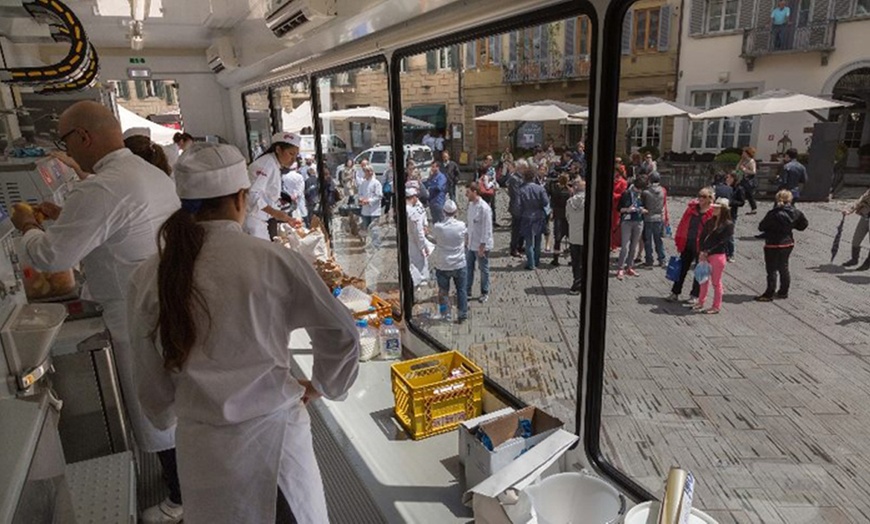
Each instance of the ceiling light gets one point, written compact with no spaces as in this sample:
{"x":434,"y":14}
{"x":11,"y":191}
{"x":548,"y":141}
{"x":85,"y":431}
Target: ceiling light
{"x":137,"y":36}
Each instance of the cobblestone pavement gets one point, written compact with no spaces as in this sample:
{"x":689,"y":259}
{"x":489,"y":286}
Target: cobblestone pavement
{"x":766,"y":402}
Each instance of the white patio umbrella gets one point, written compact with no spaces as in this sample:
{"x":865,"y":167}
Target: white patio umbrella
{"x":770,"y":102}
{"x":541,"y":111}
{"x":371,"y":114}
{"x":159,"y":134}
{"x":648,"y":107}
{"x":298,"y":119}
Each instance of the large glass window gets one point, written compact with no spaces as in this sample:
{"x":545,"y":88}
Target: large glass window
{"x":752,"y":382}
{"x":258,"y":122}
{"x":645,"y":132}
{"x":521,"y":326}
{"x":646,"y":30}
{"x":359,"y":178}
{"x":722,"y":15}
{"x":714,"y":135}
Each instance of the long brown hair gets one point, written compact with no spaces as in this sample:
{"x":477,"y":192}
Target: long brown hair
{"x":143,"y":147}
{"x":182,"y":238}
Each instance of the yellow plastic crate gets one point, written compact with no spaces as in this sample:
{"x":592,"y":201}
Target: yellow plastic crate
{"x":428,"y":400}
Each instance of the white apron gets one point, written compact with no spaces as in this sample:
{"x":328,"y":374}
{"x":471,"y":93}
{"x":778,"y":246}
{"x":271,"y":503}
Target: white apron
{"x":259,"y":455}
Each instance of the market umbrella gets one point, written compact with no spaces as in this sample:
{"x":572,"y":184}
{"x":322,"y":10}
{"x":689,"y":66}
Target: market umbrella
{"x":770,"y":102}
{"x":648,"y":107}
{"x":541,"y":111}
{"x":298,"y":119}
{"x":836,"y":245}
{"x":371,"y":114}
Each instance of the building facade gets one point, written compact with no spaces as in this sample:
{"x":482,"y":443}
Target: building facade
{"x":733,"y":49}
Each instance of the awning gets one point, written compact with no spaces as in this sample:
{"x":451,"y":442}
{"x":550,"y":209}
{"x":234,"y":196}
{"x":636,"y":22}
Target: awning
{"x":435,"y":114}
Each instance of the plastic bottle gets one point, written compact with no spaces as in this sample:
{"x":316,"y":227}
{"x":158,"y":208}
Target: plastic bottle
{"x":391,"y":340}
{"x":336,"y":292}
{"x":368,"y":341}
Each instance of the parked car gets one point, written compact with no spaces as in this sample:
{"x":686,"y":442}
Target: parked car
{"x":379,"y":157}
{"x":334,"y":149}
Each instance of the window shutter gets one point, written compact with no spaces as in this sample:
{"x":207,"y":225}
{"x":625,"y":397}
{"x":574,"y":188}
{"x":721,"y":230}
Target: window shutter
{"x":124,"y":89}
{"x":512,"y":47}
{"x":536,"y":43}
{"x":545,"y":42}
{"x":626,"y":32}
{"x":747,"y":9}
{"x":159,"y":89}
{"x":570,"y":36}
{"x":471,"y":55}
{"x":431,"y":61}
{"x":495,"y":49}
{"x":454,"y":57}
{"x":664,"y":28}
{"x":842,"y":8}
{"x":170,"y":95}
{"x":140,"y":89}
{"x":696,"y":16}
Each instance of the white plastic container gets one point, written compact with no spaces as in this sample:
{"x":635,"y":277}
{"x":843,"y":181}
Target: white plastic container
{"x":368,"y":341}
{"x":29,"y":333}
{"x":390,"y":340}
{"x":575,"y":498}
{"x":647,"y":513}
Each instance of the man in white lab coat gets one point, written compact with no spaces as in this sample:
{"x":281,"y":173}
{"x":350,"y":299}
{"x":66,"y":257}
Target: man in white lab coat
{"x":109,"y":223}
{"x":220,"y":362}
{"x":370,"y":195}
{"x":480,"y":241}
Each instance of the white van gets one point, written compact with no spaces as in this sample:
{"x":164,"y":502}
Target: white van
{"x":379,"y":158}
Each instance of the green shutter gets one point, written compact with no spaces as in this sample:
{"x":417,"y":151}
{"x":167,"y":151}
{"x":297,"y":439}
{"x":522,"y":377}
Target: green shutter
{"x":454,"y":57}
{"x":140,"y":89}
{"x":431,"y":61}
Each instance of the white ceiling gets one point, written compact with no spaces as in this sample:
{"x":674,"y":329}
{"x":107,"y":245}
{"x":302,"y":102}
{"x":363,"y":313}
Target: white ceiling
{"x":185,"y":24}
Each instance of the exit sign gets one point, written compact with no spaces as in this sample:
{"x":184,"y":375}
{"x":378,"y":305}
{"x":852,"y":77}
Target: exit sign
{"x":137,"y":60}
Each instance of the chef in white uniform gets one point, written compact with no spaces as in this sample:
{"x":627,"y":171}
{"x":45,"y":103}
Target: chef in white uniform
{"x":109,"y":223}
{"x":293,"y":184}
{"x":419,"y":248}
{"x":265,"y":179}
{"x":220,"y":363}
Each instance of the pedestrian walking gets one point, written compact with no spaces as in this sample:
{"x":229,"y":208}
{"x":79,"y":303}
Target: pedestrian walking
{"x":746,"y":171}
{"x":713,"y":244}
{"x":449,"y":261}
{"x":533,"y":202}
{"x":862,"y":208}
{"x":631,"y":226}
{"x":559,"y":195}
{"x":778,"y":225}
{"x":654,"y":199}
{"x":575,"y":213}
{"x":480,"y":240}
{"x":687,"y":239}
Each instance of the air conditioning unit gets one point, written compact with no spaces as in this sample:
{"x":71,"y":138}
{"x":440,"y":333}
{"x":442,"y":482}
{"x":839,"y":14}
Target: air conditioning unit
{"x":221,"y":56}
{"x":287,"y":18}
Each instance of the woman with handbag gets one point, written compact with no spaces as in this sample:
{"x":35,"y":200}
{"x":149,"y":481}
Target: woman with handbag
{"x":687,"y":240}
{"x":714,"y":240}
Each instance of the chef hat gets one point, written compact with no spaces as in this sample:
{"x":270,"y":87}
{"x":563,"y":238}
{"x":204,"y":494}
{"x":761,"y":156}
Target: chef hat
{"x":288,"y":138}
{"x":208,"y":170}
{"x":450,"y":207}
{"x":722,"y":201}
{"x":137,"y":131}
{"x":410,"y":192}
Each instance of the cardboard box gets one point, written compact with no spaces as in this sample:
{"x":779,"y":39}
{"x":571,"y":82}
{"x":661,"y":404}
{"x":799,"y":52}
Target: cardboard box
{"x":481,"y":463}
{"x":500,"y":498}
{"x":467,"y":429}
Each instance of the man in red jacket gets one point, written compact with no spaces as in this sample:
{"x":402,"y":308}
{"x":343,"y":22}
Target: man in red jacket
{"x":686,"y":238}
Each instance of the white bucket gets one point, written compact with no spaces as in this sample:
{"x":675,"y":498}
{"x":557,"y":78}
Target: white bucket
{"x":647,"y":513}
{"x":574,"y":498}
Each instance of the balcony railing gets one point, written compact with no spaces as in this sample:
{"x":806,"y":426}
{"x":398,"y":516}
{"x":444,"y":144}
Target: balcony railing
{"x":816,"y":36}
{"x":534,"y":71}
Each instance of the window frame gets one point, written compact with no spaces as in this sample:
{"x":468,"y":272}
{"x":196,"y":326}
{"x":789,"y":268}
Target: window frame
{"x":723,"y":10}
{"x":641,"y":132}
{"x":647,"y":12}
{"x":582,"y":24}
{"x":720,"y":124}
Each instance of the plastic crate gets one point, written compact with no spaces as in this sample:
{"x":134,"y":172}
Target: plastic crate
{"x":428,"y":400}
{"x":377,"y":311}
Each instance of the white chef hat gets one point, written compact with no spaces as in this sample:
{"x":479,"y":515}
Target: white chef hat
{"x":288,"y":138}
{"x":209,"y":170}
{"x":137,"y":131}
{"x":450,"y":207}
{"x":410,"y":192}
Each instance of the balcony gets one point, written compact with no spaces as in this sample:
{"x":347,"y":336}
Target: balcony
{"x":763,"y":41}
{"x":534,"y":71}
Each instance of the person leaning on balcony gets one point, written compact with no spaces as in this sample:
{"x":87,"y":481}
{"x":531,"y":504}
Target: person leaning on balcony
{"x":780,"y":19}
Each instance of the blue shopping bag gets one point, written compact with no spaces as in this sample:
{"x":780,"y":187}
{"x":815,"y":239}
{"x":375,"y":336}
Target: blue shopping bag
{"x":703,"y":271}
{"x":675,"y":266}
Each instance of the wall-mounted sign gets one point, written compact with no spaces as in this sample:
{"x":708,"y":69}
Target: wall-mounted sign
{"x":137,"y":60}
{"x":137,"y":73}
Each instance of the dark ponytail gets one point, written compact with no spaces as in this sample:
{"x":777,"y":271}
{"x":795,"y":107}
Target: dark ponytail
{"x":182,"y":239}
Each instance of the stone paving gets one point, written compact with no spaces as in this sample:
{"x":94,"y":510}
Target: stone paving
{"x":766,"y":402}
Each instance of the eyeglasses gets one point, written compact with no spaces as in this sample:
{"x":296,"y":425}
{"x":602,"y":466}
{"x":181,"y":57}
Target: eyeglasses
{"x":60,"y":143}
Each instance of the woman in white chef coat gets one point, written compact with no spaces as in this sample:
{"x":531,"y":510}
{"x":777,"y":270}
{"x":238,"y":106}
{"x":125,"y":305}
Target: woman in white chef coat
{"x":210,"y":320}
{"x":265,"y":179}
